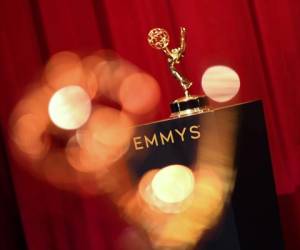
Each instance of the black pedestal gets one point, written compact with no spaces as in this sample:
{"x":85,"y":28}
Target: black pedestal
{"x":251,"y":219}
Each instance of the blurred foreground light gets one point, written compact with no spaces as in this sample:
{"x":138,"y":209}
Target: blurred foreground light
{"x":173,"y":184}
{"x":69,"y":107}
{"x":28,"y":136}
{"x":220,"y":83}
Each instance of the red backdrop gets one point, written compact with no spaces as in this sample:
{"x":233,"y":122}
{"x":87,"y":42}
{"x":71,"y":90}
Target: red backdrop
{"x":259,"y":39}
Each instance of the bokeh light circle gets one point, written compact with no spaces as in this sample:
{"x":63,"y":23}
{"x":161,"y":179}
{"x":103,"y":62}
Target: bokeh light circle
{"x":220,"y":83}
{"x":69,"y":107}
{"x":173,"y":184}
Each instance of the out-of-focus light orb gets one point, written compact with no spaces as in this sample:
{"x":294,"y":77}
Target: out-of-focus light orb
{"x":220,"y":83}
{"x":69,"y":107}
{"x":173,"y":184}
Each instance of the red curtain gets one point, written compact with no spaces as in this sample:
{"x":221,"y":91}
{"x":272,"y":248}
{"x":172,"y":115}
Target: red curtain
{"x":259,"y":39}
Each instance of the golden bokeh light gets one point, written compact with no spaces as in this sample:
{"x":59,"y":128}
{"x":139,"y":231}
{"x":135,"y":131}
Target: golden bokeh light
{"x":220,"y":83}
{"x":102,"y":141}
{"x":69,"y":107}
{"x":27,"y":134}
{"x":173,"y":184}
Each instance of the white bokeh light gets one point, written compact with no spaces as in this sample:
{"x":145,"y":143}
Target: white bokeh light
{"x":69,"y":107}
{"x":173,"y":184}
{"x":220,"y":83}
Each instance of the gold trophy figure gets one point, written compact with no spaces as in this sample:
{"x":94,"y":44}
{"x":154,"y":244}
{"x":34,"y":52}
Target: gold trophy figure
{"x":159,"y":39}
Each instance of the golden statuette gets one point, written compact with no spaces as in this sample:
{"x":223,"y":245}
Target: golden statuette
{"x":189,"y":104}
{"x":159,"y":39}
